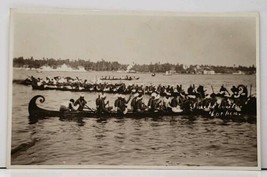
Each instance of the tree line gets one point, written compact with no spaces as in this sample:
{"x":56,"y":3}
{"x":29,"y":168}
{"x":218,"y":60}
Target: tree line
{"x":115,"y":66}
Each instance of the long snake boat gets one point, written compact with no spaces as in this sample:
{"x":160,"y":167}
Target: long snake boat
{"x":35,"y":113}
{"x":119,"y":79}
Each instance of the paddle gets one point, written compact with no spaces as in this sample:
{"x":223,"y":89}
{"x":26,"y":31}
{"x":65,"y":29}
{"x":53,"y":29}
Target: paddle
{"x":250,"y":93}
{"x":212,"y":89}
{"x":89,"y":108}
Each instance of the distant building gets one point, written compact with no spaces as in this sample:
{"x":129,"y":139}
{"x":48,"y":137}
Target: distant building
{"x":131,"y":71}
{"x":168,"y":73}
{"x":81,"y":69}
{"x":172,"y":71}
{"x":63,"y":67}
{"x":239,"y":72}
{"x":208,"y":71}
{"x":46,"y":68}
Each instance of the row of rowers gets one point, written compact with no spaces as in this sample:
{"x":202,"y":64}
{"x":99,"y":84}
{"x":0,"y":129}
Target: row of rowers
{"x":122,"y":88}
{"x":121,"y":103}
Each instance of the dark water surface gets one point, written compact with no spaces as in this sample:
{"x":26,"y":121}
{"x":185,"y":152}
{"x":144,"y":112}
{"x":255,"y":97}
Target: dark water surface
{"x":180,"y":140}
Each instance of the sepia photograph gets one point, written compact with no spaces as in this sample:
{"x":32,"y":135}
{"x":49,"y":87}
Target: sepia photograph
{"x":119,"y":89}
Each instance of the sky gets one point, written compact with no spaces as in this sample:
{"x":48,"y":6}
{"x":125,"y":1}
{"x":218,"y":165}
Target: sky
{"x":142,"y":39}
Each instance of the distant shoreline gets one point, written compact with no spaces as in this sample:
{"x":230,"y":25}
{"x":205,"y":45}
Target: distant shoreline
{"x":126,"y":73}
{"x":167,"y":68}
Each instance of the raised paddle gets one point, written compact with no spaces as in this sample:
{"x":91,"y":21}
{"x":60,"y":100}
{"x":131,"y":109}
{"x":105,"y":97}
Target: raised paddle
{"x":212,"y":89}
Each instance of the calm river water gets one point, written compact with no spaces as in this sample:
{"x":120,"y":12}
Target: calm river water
{"x":171,"y":141}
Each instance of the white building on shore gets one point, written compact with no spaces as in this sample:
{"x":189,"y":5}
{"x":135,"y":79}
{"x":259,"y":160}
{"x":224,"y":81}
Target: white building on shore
{"x":208,"y":71}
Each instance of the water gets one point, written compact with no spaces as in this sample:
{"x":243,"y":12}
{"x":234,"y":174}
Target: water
{"x":172,"y":141}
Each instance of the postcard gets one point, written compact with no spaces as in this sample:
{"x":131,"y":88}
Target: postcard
{"x":126,"y":89}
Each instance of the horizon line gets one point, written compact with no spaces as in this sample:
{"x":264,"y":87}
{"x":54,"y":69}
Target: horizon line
{"x":133,"y":63}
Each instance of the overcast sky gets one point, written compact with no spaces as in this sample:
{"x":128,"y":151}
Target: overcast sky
{"x":137,"y":38}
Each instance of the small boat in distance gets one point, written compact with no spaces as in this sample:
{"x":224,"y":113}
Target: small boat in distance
{"x":128,"y":78}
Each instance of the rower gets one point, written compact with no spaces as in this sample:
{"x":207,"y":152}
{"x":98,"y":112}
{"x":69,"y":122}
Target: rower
{"x":174,"y":104}
{"x":167,"y":101}
{"x":158,"y":102}
{"x":235,"y":92}
{"x":116,"y":102}
{"x":140,"y":104}
{"x":201,"y":91}
{"x":134,"y":102}
{"x":121,"y":104}
{"x":191,"y":90}
{"x":67,"y":106}
{"x":152,"y":102}
{"x":81,"y":102}
{"x":174,"y":101}
{"x":223,"y":91}
{"x":243,"y":91}
{"x":97,"y":102}
{"x":101,"y":107}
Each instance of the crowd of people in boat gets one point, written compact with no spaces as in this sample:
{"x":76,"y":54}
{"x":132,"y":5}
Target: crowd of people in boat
{"x":129,"y":78}
{"x":176,"y":101}
{"x":77,"y":84}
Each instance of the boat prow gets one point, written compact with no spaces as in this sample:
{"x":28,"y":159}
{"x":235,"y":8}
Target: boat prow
{"x":36,"y":112}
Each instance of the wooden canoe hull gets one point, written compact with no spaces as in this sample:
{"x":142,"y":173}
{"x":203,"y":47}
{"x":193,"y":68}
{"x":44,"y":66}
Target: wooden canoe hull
{"x":36,"y":113}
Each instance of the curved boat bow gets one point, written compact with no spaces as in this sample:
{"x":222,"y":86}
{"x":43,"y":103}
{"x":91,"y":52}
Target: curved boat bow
{"x":36,"y":112}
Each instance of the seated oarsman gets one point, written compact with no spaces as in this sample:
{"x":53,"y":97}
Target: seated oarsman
{"x":102,"y":104}
{"x":140,"y":105}
{"x":54,"y":82}
{"x":235,"y":92}
{"x":116,"y":102}
{"x":80,"y":102}
{"x":121,"y":104}
{"x":201,"y":91}
{"x":120,"y":89}
{"x":134,"y":102}
{"x":223,"y":91}
{"x":67,"y":106}
{"x":39,"y":82}
{"x":243,"y":91}
{"x":174,"y":104}
{"x":34,"y":80}
{"x":179,"y":88}
{"x":133,"y":91}
{"x":47,"y":80}
{"x":191,"y":90}
{"x":140,"y":91}
{"x":152,"y":102}
{"x":167,"y":101}
{"x":158,"y":102}
{"x":61,"y":81}
{"x":97,"y":102}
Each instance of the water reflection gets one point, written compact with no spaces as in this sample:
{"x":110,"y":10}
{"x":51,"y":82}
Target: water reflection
{"x":80,"y":120}
{"x":102,"y":120}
